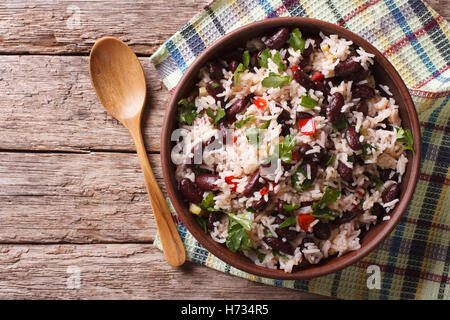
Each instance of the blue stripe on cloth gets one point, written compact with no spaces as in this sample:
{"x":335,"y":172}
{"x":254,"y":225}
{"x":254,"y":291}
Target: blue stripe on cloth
{"x":403,"y":24}
{"x":193,"y":39}
{"x":266,"y":6}
{"x":200,"y":254}
{"x":295,"y":8}
{"x":216,"y":21}
{"x":176,"y":56}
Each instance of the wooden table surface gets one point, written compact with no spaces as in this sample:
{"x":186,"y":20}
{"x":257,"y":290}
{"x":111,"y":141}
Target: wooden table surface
{"x":73,"y":201}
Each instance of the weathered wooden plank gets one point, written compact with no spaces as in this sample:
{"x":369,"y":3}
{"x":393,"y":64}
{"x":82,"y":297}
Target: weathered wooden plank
{"x":67,"y":27}
{"x":48,"y":103}
{"x":61,"y":27}
{"x":118,"y":271}
{"x":75,"y":198}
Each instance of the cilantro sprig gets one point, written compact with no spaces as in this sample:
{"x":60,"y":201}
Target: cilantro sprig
{"x":220,"y":113}
{"x":406,"y":138}
{"x":187,"y":111}
{"x":296,"y":41}
{"x":276,"y":81}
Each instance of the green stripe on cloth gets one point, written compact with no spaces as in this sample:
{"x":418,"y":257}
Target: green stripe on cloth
{"x":414,"y":260}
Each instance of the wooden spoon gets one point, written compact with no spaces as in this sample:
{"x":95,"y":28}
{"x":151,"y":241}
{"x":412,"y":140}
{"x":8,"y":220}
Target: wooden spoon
{"x":119,"y":82}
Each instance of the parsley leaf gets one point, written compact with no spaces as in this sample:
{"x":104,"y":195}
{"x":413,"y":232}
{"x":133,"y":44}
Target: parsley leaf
{"x":341,"y":124}
{"x":278,"y":61}
{"x":308,"y":102}
{"x":208,"y":202}
{"x":275,"y":81}
{"x":240,"y":68}
{"x":237,"y":237}
{"x":290,"y":221}
{"x":290,"y":207}
{"x":252,"y":135}
{"x":220,"y":113}
{"x":265,"y":125}
{"x":366,"y":147}
{"x":376,"y":180}
{"x":325,"y":213}
{"x":241,"y":123}
{"x":264,"y":57}
{"x":330,"y":161}
{"x":320,"y":210}
{"x":187,"y":112}
{"x":295,"y":180}
{"x":244,"y":219}
{"x":285,"y":148}
{"x":406,"y":138}
{"x":246,"y":58}
{"x":296,"y":41}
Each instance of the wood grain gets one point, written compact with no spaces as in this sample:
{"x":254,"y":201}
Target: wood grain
{"x":76,"y":198}
{"x":49,"y":27}
{"x":119,"y":271}
{"x":47,"y":103}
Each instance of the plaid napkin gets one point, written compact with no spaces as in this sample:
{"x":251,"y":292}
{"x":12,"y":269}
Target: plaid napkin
{"x":414,"y":260}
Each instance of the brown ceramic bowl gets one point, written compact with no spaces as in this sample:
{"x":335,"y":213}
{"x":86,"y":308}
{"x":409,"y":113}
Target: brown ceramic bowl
{"x":384,"y":73}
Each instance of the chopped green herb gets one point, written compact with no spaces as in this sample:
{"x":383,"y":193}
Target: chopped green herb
{"x":285,"y":148}
{"x":241,"y":123}
{"x":275,"y":81}
{"x":366,"y":147}
{"x":295,"y":180}
{"x":220,"y":113}
{"x":265,"y":125}
{"x":215,"y":85}
{"x":240,"y":68}
{"x":187,"y":111}
{"x":308,"y":102}
{"x":290,"y":207}
{"x":252,"y":135}
{"x":260,"y":255}
{"x":202,"y":222}
{"x":244,"y":219}
{"x":208,"y":202}
{"x":331,"y":161}
{"x":290,"y":221}
{"x":264,"y":57}
{"x":246,"y":58}
{"x":376,"y":180}
{"x":277,"y":253}
{"x":296,"y":41}
{"x":351,"y":158}
{"x":341,"y":124}
{"x":406,"y":138}
{"x":278,"y":61}
{"x":320,"y":210}
{"x":237,"y":237}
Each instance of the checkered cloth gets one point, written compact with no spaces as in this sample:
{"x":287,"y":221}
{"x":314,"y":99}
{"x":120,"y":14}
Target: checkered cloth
{"x":414,"y":260}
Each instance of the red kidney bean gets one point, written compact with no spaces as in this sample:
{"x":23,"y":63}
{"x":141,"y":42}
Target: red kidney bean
{"x":348,"y":216}
{"x":207,"y":181}
{"x":282,"y":119}
{"x":344,"y":171}
{"x":334,"y":107}
{"x":323,"y":87}
{"x":347,"y":68}
{"x":378,"y":210}
{"x":362,"y":107}
{"x":253,"y":184}
{"x":306,"y":204}
{"x":237,"y":107}
{"x":214,"y":91}
{"x":260,"y":204}
{"x":352,"y":138}
{"x":213,"y":217}
{"x":322,"y":231}
{"x":278,"y":244}
{"x":190,"y":191}
{"x":302,"y":78}
{"x":363,"y":91}
{"x":232,"y":65}
{"x":302,"y":151}
{"x":278,"y":39}
{"x":313,"y":168}
{"x":303,"y":115}
{"x":304,"y":62}
{"x":285,"y":232}
{"x":307,"y":52}
{"x":214,"y":70}
{"x":385,"y":174}
{"x":391,"y":193}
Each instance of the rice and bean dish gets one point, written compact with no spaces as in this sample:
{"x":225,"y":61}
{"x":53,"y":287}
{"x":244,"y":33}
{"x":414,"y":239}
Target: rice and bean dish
{"x":290,"y":149}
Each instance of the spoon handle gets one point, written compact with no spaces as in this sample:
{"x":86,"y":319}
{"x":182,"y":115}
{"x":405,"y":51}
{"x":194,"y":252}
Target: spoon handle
{"x":170,"y":239}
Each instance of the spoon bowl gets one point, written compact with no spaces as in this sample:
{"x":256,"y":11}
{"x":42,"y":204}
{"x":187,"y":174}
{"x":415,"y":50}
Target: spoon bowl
{"x":118,"y":77}
{"x":119,"y":82}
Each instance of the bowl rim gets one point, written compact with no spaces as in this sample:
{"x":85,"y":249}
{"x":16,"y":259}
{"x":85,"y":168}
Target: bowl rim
{"x":337,"y":263}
